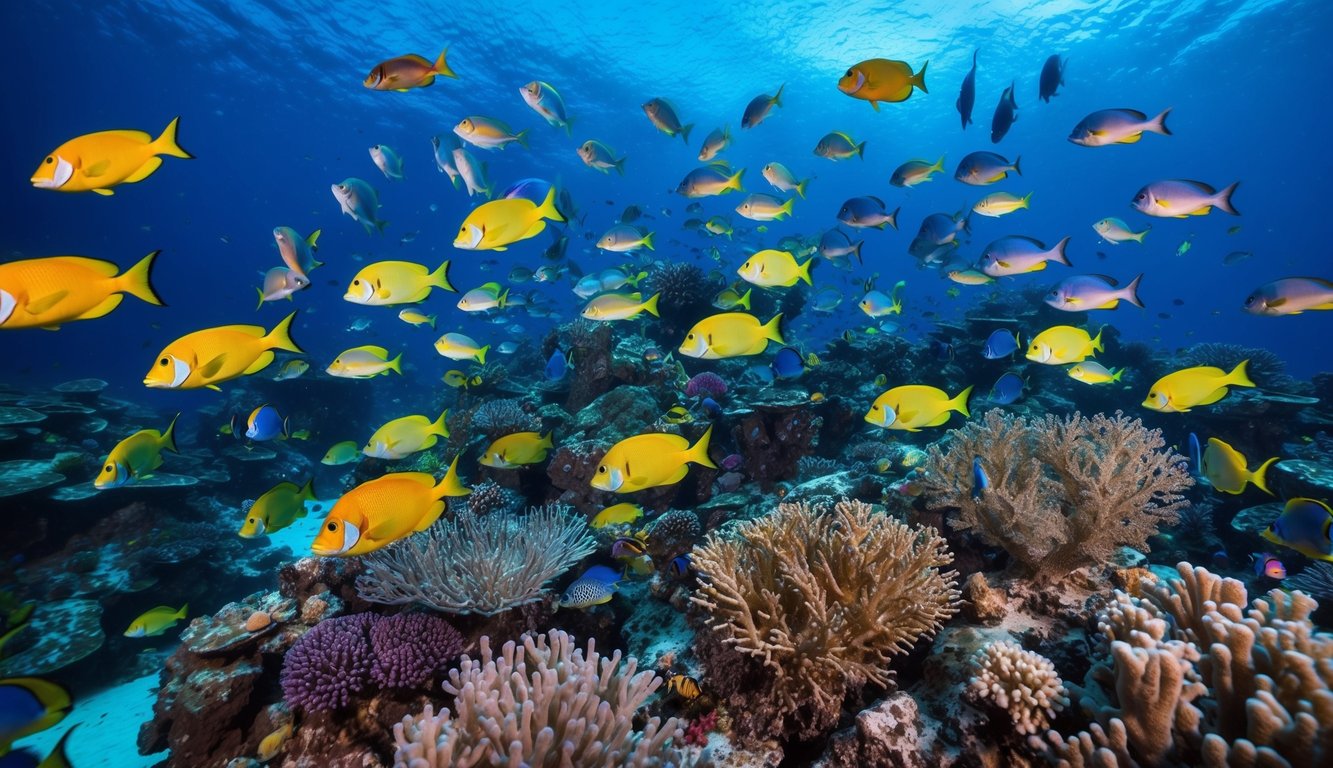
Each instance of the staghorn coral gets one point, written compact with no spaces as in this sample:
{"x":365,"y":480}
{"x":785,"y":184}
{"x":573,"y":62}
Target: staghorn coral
{"x":473,"y":564}
{"x":1064,"y":493}
{"x":824,"y":598}
{"x":1022,"y":683}
{"x":1197,"y":679}
{"x":542,"y":704}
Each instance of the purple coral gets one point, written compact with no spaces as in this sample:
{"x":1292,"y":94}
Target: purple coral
{"x":410,"y":648}
{"x":706,"y":384}
{"x":330,"y":664}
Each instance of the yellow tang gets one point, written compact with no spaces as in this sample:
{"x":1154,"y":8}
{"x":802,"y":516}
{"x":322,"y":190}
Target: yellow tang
{"x":155,"y":621}
{"x":648,"y":461}
{"x":136,"y":456}
{"x":619,"y":514}
{"x":364,"y":363}
{"x":44,"y":293}
{"x":876,"y":80}
{"x":414,"y":317}
{"x":620,"y":306}
{"x":1093,"y":372}
{"x":1180,"y":391}
{"x":1063,"y":344}
{"x":277,"y":508}
{"x":731,"y":334}
{"x":404,"y":436}
{"x":381,"y":511}
{"x":517,"y":450}
{"x":98,"y":161}
{"x":915,"y":406}
{"x":345,"y":452}
{"x":775,"y":269}
{"x":459,"y":380}
{"x":396,"y":282}
{"x":1228,"y":470}
{"x":495,"y":225}
{"x":209,"y":357}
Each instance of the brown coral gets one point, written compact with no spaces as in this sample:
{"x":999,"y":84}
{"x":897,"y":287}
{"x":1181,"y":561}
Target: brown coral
{"x":1064,"y":493}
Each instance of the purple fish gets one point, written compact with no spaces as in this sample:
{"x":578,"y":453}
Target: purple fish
{"x":1178,"y":198}
{"x":1290,"y":296}
{"x":1083,"y":292}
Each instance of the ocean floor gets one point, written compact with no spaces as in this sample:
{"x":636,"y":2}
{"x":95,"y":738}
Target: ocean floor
{"x":108,"y":728}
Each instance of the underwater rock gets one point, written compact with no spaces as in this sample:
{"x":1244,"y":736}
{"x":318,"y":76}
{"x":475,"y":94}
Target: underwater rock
{"x":57,"y":635}
{"x":24,"y":475}
{"x":571,"y":469}
{"x":85,"y":391}
{"x":1307,"y":479}
{"x":983,"y":604}
{"x":11,"y":416}
{"x":856,"y":484}
{"x":773,"y":438}
{"x":228,"y":632}
{"x":311,"y":576}
{"x":618,"y":414}
{"x":886,"y":734}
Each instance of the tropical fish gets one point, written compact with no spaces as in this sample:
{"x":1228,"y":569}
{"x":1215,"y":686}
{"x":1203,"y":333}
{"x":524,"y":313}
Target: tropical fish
{"x":1179,"y":198}
{"x":557,"y":365}
{"x":625,"y":238}
{"x":1086,"y":292}
{"x":265,"y":423}
{"x":714,"y":143}
{"x":1117,"y":126}
{"x":405,"y":72}
{"x":1001,"y":343}
{"x":620,"y":306}
{"x":980,"y":480}
{"x":997,"y":204}
{"x":292,"y":369}
{"x":365,"y":363}
{"x":969,"y":277}
{"x":459,"y":380}
{"x":1052,"y":76}
{"x":360,"y":201}
{"x":1006,"y":389}
{"x":272,"y":744}
{"x":545,"y":100}
{"x":649,"y":461}
{"x":824,"y":300}
{"x":1006,"y":113}
{"x":155,"y":621}
{"x":489,"y":133}
{"x":783,"y":180}
{"x":710,"y":181}
{"x":96,"y":162}
{"x":759,"y":108}
{"x":484,"y":297}
{"x":839,"y":146}
{"x":443,"y":147}
{"x":495,"y":225}
{"x":835,"y":244}
{"x":379,"y":512}
{"x":678,"y":414}
{"x":1093,"y":372}
{"x":606,"y":280}
{"x":596,"y":586}
{"x":1304,"y":526}
{"x":517,"y":450}
{"x":1228,"y":470}
{"x":345,"y":452}
{"x":416,"y":317}
{"x":719,"y":225}
{"x":787,"y":364}
{"x":1236,"y":257}
{"x":277,"y":508}
{"x":684,"y":686}
{"x":600,"y":157}
{"x":878,"y":304}
{"x":1268,"y":565}
{"x":1115,"y":231}
{"x":619,"y":514}
{"x":663,"y":117}
{"x":297,"y":253}
{"x":209,"y":357}
{"x":136,"y":456}
{"x":967,"y":94}
{"x":472,"y":172}
{"x":876,"y":80}
{"x":983,"y":168}
{"x":51,"y":291}
{"x":30,"y":705}
{"x":731,"y":298}
{"x":1288,"y":296}
{"x":405,"y":436}
{"x":280,"y":283}
{"x":772,"y":268}
{"x":388,"y":161}
{"x":1062,"y":344}
{"x":1016,"y":255}
{"x":457,"y":346}
{"x":385,"y":283}
{"x":1202,"y":385}
{"x":915,"y":406}
{"x":868,"y":211}
{"x":761,"y":207}
{"x":914,"y":172}
{"x":731,"y":334}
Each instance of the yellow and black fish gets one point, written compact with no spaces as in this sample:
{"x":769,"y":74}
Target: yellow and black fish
{"x":684,"y":686}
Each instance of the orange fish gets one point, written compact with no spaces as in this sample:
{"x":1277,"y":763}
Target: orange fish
{"x":402,"y":73}
{"x":44,"y":293}
{"x":379,"y":512}
{"x":209,"y":357}
{"x":95,"y":162}
{"x":876,"y":80}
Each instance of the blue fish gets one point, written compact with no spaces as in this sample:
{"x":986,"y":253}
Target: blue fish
{"x":557,"y":366}
{"x":788,"y":364}
{"x":596,"y":586}
{"x":528,"y":189}
{"x":980,"y":482}
{"x":1304,"y":526}
{"x":1001,"y":343}
{"x":680,"y":566}
{"x":711,"y":407}
{"x":1007,"y":389}
{"x":265,"y":423}
{"x":30,"y":705}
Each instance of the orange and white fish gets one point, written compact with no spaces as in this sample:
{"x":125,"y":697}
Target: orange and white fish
{"x":95,"y":162}
{"x":44,"y":293}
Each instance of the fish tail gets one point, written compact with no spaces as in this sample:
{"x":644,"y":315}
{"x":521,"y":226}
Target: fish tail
{"x":137,"y":280}
{"x":307,"y":492}
{"x":650,"y":306}
{"x":772,"y":330}
{"x":777,"y":97}
{"x":620,"y":166}
{"x":522,"y":138}
{"x":861,"y":148}
{"x":1027,"y":201}
{"x":449,"y":485}
{"x":281,"y":336}
{"x":260,"y":305}
{"x":939,"y":165}
{"x":803,"y":271}
{"x":1259,"y":476}
{"x":685,"y":132}
{"x":1223,"y":199}
{"x":546,"y":441}
{"x":960,"y":403}
{"x":547,"y":209}
{"x":648,"y":241}
{"x":181,"y":613}
{"x":1059,"y":251}
{"x":698,"y":453}
{"x":1017,"y":160}
{"x":439,"y":427}
{"x":856,"y":249}
{"x":634,"y":281}
{"x":893,"y":217}
{"x":1097,"y":340}
{"x":919,"y":79}
{"x":745,"y":300}
{"x":442,"y":67}
{"x":313,"y":239}
{"x":166,"y":143}
{"x":800,"y":188}
{"x":440,"y":279}
{"x":168,"y":439}
{"x":481,"y":354}
{"x":380,"y":226}
{"x":1239,"y":376}
{"x":1130,"y":292}
{"x":1116,"y":376}
{"x":1158,"y":124}
{"x":502,"y":299}
{"x":396,"y":364}
{"x":1138,"y":236}
{"x":786,"y":207}
{"x":734,"y":182}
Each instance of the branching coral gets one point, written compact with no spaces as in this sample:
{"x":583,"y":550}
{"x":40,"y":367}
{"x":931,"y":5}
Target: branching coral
{"x":1022,"y":683}
{"x":824,"y":598}
{"x":473,"y":564}
{"x":1064,"y":493}
{"x":542,"y":704}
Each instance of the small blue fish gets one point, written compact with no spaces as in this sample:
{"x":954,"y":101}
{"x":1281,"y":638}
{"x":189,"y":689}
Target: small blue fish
{"x":1304,"y":526}
{"x":1007,"y":389}
{"x":980,"y":482}
{"x":1268,"y":565}
{"x":1001,"y":343}
{"x":680,"y":566}
{"x":557,"y":366}
{"x":788,"y":364}
{"x":596,"y":586}
{"x":711,"y":407}
{"x":266,"y":424}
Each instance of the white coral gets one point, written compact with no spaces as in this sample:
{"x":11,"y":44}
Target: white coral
{"x":1023,"y":683}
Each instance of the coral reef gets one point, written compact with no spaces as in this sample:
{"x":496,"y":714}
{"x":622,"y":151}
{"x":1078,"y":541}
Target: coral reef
{"x":1021,"y":683}
{"x":706,"y":384}
{"x":1064,"y":493}
{"x":409,"y":649}
{"x":497,"y":418}
{"x":330,"y":665}
{"x":820,"y":599}
{"x":672,"y":534}
{"x":488,"y":497}
{"x":1316,"y":581}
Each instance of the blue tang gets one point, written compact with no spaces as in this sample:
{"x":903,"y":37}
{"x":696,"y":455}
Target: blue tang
{"x":557,"y":366}
{"x":788,"y":364}
{"x":980,"y":482}
{"x":1001,"y":343}
{"x":30,"y":705}
{"x":680,"y":566}
{"x":711,"y":407}
{"x":1007,"y":389}
{"x":266,"y":424}
{"x":1304,"y":526}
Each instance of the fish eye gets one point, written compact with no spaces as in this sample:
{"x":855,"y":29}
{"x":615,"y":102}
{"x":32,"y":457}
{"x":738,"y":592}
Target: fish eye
{"x":601,"y":470}
{"x":332,"y":526}
{"x":108,"y":468}
{"x":1140,"y":196}
{"x":164,"y":361}
{"x":1249,"y":301}
{"x":356,"y":282}
{"x":849,"y":73}
{"x":50,"y":159}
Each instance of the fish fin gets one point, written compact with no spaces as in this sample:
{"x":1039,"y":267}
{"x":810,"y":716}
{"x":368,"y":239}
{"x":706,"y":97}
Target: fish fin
{"x":1131,"y":292}
{"x":1060,"y":254}
{"x":281,"y":336}
{"x":166,"y":144}
{"x":450,"y":485}
{"x":698,"y":453}
{"x":1223,"y":199}
{"x":438,"y":427}
{"x":96,"y":169}
{"x":481,"y":354}
{"x":210,"y":369}
{"x":547,"y":209}
{"x":144,"y":171}
{"x":260,"y":362}
{"x":104,"y":308}
{"x":442,"y":67}
{"x":396,"y":364}
{"x":380,"y":352}
{"x":522,"y":138}
{"x":619,"y":165}
{"x":1239,"y":376}
{"x":1158,"y":124}
{"x":803,"y":272}
{"x":1211,"y":398}
{"x":168,"y":439}
{"x":1131,"y":139}
{"x":959,"y":403}
{"x":213,"y":387}
{"x":104,"y":192}
{"x":1097,"y":340}
{"x":861,"y":148}
{"x":650,"y":306}
{"x":182,"y":612}
{"x":875,"y":106}
{"x":44,"y":304}
{"x":1259,"y":476}
{"x":745,"y":300}
{"x":772,"y":330}
{"x":685,"y":132}
{"x":919,"y":79}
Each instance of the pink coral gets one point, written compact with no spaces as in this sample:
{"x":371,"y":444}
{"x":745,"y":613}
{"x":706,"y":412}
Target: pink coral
{"x":696,"y":733}
{"x":706,"y":384}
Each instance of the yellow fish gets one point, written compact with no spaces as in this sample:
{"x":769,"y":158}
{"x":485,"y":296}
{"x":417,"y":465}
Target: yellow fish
{"x":292,"y":369}
{"x":209,"y":357}
{"x":1180,"y":391}
{"x":516,"y":450}
{"x":775,"y":269}
{"x":649,"y":461}
{"x":915,"y":406}
{"x":345,"y":452}
{"x":997,"y":204}
{"x":1304,"y":526}
{"x":277,"y":508}
{"x":876,"y":80}
{"x":402,"y":73}
{"x":730,"y":298}
{"x":414,"y":317}
{"x":1093,"y":372}
{"x":381,"y":511}
{"x":731,"y":334}
{"x":396,"y":282}
{"x":620,"y":306}
{"x":495,"y":225}
{"x":43,"y":293}
{"x":155,"y":621}
{"x":95,"y":162}
{"x":273,"y":743}
{"x":456,"y":346}
{"x":1063,"y":344}
{"x":1228,"y":470}
{"x":364,"y":363}
{"x":32,"y":705}
{"x":619,"y":514}
{"x":136,"y":456}
{"x":487,"y":296}
{"x":404,"y":436}
{"x":678,"y":415}
{"x":684,"y":686}
{"x":459,"y":380}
